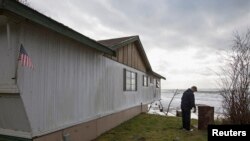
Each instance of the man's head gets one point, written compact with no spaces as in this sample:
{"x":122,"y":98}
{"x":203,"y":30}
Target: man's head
{"x":194,"y":88}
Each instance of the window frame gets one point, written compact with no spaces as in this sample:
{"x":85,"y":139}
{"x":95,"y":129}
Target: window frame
{"x":151,"y":79}
{"x":130,"y":80}
{"x":157,"y":84}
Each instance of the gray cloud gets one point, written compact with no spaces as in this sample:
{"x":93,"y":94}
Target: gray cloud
{"x":170,"y":24}
{"x":206,"y":26}
{"x":178,"y":23}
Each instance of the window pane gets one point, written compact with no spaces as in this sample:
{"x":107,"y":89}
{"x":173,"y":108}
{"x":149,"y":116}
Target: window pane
{"x":128,"y":74}
{"x":133,"y":75}
{"x":157,"y":84}
{"x":144,"y":81}
{"x":128,"y":79}
{"x":130,"y":82}
{"x":133,"y":81}
{"x":128,"y":87}
{"x":133,"y":87}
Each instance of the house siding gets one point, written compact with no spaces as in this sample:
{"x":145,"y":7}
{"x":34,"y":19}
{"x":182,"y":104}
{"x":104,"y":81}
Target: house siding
{"x":8,"y":56}
{"x":130,"y":56}
{"x":71,"y":84}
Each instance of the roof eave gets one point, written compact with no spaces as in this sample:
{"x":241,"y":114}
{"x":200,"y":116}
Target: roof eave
{"x":144,"y":54}
{"x":36,"y":17}
{"x":158,"y":75}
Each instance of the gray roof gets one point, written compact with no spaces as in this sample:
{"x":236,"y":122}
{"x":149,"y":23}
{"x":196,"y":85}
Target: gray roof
{"x":14,"y":7}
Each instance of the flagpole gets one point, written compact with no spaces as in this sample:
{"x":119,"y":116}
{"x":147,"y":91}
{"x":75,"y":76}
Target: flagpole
{"x":17,"y":62}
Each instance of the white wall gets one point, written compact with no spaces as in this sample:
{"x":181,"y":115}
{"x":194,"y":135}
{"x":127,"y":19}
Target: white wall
{"x":13,"y":117}
{"x":8,"y":56}
{"x":70,"y":83}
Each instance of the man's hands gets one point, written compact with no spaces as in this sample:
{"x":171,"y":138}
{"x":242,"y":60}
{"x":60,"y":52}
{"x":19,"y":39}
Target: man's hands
{"x":194,"y":110}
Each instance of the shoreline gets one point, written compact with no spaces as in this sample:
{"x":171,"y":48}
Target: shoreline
{"x":154,"y":108}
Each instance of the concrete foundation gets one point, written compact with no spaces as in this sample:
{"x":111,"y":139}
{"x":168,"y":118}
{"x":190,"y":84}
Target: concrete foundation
{"x":90,"y":130}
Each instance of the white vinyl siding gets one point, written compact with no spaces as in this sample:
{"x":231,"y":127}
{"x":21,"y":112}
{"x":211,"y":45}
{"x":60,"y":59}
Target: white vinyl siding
{"x":8,"y":57}
{"x":71,"y":83}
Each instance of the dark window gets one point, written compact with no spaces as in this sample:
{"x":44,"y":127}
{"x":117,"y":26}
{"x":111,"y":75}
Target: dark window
{"x":130,"y":80}
{"x":151,"y":80}
{"x":145,"y":80}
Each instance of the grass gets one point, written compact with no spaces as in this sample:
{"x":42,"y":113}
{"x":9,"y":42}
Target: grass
{"x":146,"y":127}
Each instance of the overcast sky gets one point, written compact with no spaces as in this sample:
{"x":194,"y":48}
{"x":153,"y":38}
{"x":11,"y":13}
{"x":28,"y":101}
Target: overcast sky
{"x":183,"y":39}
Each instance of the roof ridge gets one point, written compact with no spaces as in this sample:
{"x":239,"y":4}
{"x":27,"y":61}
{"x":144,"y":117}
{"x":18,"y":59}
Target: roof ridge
{"x":118,"y":38}
{"x":124,"y":41}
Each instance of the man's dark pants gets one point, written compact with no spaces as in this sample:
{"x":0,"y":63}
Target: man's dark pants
{"x":186,"y":115}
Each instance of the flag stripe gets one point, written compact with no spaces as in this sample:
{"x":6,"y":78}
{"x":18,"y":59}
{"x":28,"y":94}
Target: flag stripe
{"x":24,"y":58}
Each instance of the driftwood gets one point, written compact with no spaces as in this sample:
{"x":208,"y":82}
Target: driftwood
{"x":175,"y":93}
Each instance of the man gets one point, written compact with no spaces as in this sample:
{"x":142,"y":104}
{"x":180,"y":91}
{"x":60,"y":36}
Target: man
{"x":187,"y":103}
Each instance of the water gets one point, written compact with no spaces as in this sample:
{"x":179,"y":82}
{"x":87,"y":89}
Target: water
{"x":210,"y":97}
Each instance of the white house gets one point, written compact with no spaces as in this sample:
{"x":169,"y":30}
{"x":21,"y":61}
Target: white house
{"x":78,"y":89}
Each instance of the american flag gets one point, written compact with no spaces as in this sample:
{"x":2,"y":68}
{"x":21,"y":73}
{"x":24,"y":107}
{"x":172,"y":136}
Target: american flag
{"x":24,"y":58}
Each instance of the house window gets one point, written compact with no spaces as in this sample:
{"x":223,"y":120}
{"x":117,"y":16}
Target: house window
{"x":151,"y":80}
{"x":145,"y":80}
{"x":157,"y":84}
{"x":130,"y":80}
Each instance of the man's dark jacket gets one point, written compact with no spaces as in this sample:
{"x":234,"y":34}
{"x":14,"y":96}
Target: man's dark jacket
{"x":187,"y":100}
